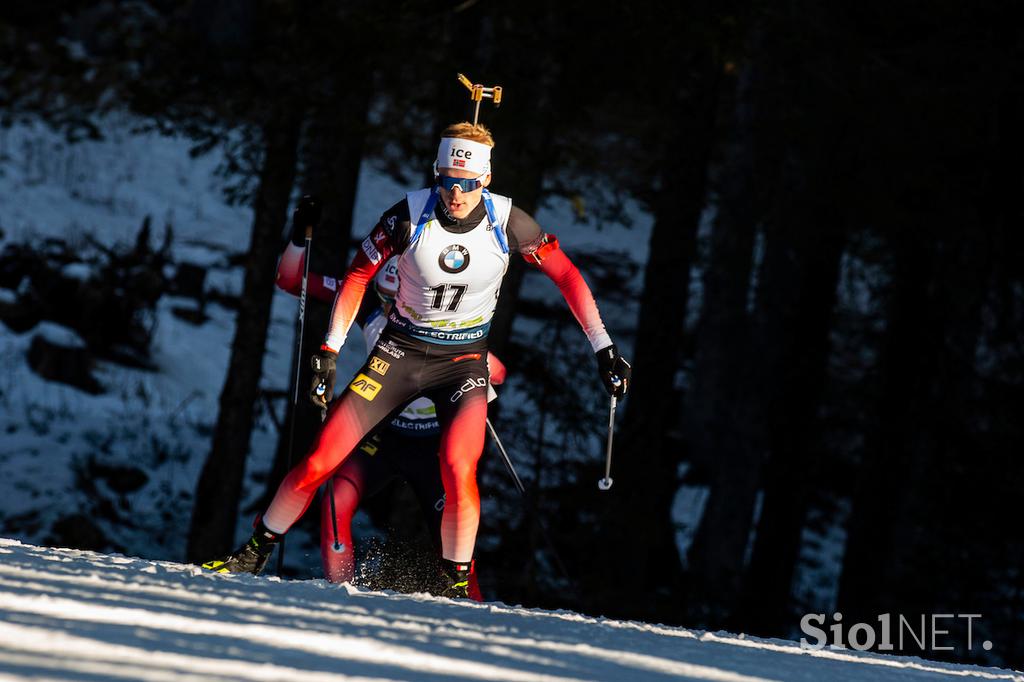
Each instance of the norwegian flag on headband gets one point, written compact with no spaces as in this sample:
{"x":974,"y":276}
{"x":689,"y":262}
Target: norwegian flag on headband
{"x":455,"y":152}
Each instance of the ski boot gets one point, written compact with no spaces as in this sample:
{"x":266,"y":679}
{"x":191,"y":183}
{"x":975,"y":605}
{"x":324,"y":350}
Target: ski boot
{"x":251,"y":557}
{"x":452,"y":580}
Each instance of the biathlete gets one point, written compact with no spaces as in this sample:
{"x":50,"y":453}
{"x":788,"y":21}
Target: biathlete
{"x":453,"y":243}
{"x":405,"y":448}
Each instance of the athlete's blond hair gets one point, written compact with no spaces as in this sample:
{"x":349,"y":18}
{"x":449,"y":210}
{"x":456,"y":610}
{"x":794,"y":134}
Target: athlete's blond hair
{"x":468,"y":131}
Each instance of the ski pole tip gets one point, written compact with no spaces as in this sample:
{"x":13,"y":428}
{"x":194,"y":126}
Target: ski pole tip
{"x":604,"y":484}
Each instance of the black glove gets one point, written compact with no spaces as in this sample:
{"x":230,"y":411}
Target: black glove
{"x":615,"y":371}
{"x":324,"y":364}
{"x":307,"y":214}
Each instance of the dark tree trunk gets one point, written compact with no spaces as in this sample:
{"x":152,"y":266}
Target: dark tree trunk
{"x":646,"y":477}
{"x":220,"y":483}
{"x":805,"y":233}
{"x":919,"y":508}
{"x":804,"y":245}
{"x":899,"y":554}
{"x":332,"y":156}
{"x":719,"y":414}
{"x":886,"y":471}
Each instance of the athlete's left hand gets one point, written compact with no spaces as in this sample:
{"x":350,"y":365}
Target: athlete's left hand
{"x":324,"y":365}
{"x":615,"y":371}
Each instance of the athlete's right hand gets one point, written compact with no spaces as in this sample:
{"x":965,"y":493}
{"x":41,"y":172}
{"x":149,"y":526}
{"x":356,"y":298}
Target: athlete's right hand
{"x":615,"y":371}
{"x":307,"y":214}
{"x":324,"y":364}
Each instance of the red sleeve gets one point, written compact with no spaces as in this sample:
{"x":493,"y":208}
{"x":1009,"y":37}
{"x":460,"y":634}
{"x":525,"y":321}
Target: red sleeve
{"x":496,"y":368}
{"x":289,"y":269}
{"x":372,"y":254}
{"x":553,"y":262}
{"x":289,"y":276}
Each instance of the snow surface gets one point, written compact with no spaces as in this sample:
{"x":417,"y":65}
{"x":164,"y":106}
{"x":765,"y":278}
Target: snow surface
{"x":74,"y":615}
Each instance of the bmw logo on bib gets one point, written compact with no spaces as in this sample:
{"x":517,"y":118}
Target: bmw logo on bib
{"x":454,"y":258}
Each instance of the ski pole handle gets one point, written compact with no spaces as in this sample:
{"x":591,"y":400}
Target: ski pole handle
{"x":605,"y":483}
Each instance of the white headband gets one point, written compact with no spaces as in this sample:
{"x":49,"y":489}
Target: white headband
{"x":455,"y":152}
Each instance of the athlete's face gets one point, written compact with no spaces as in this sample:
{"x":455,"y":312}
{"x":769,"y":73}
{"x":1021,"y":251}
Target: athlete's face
{"x":460,"y":204}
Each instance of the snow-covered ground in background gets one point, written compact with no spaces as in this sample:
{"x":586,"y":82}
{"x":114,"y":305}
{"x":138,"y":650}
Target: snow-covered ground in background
{"x":72,"y":615}
{"x":159,"y":421}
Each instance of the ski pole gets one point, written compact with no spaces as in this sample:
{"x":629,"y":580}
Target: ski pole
{"x":334,"y":512}
{"x":307,"y":247}
{"x":330,"y":492}
{"x":505,"y":457}
{"x":606,"y":482}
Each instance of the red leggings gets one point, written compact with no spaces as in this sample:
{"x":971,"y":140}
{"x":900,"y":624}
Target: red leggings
{"x":400,"y":368}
